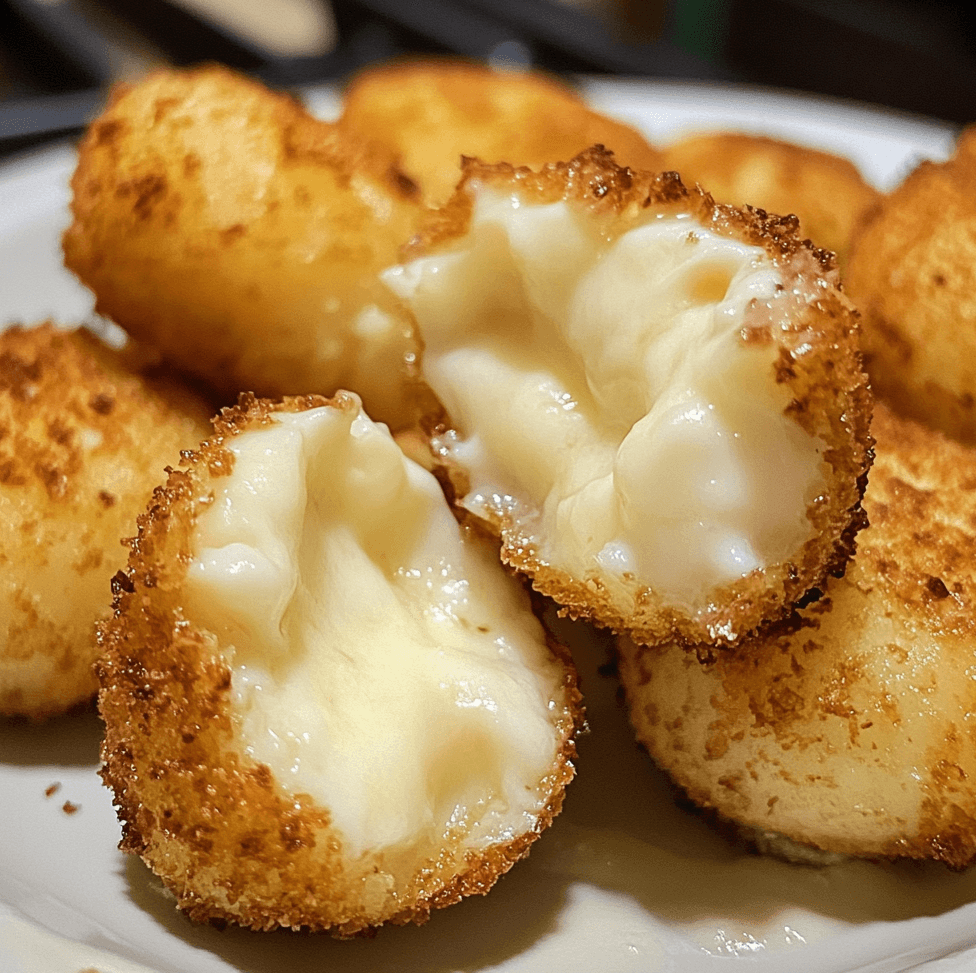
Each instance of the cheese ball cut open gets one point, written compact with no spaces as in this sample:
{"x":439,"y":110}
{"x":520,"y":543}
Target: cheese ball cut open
{"x":327,"y":706}
{"x":655,"y":400}
{"x":86,"y":431}
{"x":848,"y":731}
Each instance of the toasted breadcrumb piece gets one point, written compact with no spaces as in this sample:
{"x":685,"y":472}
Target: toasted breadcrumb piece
{"x":825,"y":191}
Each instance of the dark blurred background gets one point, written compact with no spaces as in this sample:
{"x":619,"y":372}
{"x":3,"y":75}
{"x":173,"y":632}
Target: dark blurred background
{"x":58,"y":56}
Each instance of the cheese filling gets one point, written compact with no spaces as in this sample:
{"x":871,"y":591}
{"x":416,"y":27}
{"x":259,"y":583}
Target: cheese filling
{"x":604,"y":398}
{"x":382,"y":662}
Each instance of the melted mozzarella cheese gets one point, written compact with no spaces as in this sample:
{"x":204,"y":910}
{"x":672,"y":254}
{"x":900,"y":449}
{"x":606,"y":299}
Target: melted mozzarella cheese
{"x":382,"y":663}
{"x":602,"y":393}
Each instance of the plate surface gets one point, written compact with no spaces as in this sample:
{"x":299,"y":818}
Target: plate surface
{"x":624,"y":880}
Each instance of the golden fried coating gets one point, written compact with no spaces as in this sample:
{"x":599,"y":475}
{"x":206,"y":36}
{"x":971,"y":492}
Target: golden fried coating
{"x":655,"y":400}
{"x":912,"y":274}
{"x":850,"y":729}
{"x":327,"y":706}
{"x":84,"y":438}
{"x":239,"y":235}
{"x":825,"y":191}
{"x":430,"y":113}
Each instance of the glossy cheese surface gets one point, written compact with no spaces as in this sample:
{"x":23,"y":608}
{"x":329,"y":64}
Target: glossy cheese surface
{"x":382,"y":661}
{"x":604,"y":392}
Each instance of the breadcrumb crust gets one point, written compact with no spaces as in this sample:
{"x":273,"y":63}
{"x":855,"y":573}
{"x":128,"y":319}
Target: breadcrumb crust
{"x":846,"y":728}
{"x":85,"y":431}
{"x":429,"y":112}
{"x":818,"y":361}
{"x":912,"y":274}
{"x":225,"y":225}
{"x":825,"y":191}
{"x":224,"y":836}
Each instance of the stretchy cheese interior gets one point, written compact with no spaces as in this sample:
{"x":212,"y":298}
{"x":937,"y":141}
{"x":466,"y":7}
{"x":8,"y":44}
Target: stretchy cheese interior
{"x":381,"y":660}
{"x":605,"y":393}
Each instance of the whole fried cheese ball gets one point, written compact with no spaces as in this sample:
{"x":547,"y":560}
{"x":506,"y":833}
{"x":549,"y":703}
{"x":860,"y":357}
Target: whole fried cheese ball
{"x":825,"y":191}
{"x":226,"y":226}
{"x":656,"y":401}
{"x":430,"y":113}
{"x":850,"y":730}
{"x":84,"y":438}
{"x":326,"y":704}
{"x":912,"y":274}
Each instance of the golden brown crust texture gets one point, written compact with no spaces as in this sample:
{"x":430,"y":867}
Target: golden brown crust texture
{"x":825,"y":191}
{"x":848,"y":728}
{"x":226,"y":226}
{"x":429,"y":113}
{"x":911,"y":274}
{"x":229,"y":840}
{"x":85,"y":434}
{"x":818,"y":362}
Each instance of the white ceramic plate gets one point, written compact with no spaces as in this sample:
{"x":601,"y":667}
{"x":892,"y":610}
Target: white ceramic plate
{"x":623,"y":881}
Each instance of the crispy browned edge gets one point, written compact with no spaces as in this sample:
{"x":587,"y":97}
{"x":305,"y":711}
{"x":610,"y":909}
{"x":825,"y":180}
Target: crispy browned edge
{"x":831,"y":397}
{"x":459,"y":81}
{"x":826,"y":191}
{"x":303,"y":135}
{"x":186,"y":799}
{"x":915,"y":561}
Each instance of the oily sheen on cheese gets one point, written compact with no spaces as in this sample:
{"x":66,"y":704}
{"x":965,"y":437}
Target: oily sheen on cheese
{"x":656,"y":401}
{"x":327,"y":704}
{"x":846,"y":731}
{"x":349,"y":608}
{"x":601,"y":384}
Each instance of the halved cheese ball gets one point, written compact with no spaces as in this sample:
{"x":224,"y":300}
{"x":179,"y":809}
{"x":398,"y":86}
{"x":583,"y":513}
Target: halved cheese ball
{"x":224,"y":225}
{"x":849,"y":730}
{"x":825,"y":191}
{"x":912,"y":275}
{"x":656,"y":401}
{"x":326,"y":704}
{"x":86,"y":432}
{"x":429,"y":113}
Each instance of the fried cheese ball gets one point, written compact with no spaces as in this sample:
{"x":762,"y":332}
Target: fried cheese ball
{"x":826,"y":192}
{"x":912,"y":274}
{"x":84,"y":438}
{"x":850,"y":729}
{"x":654,"y":400}
{"x":226,"y":226}
{"x":429,"y":113}
{"x":327,"y":705}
